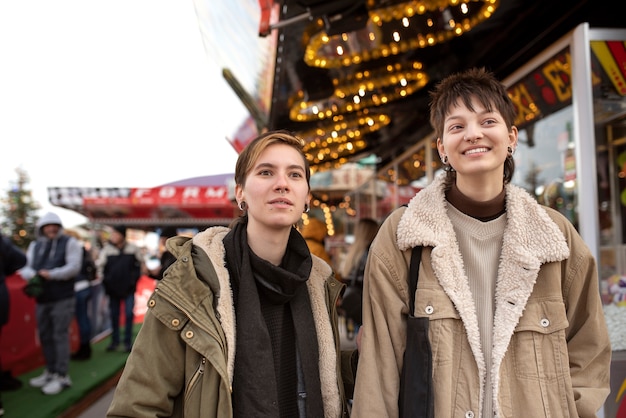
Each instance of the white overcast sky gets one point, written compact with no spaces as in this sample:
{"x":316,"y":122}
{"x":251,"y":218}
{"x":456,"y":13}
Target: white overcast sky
{"x":115,"y":93}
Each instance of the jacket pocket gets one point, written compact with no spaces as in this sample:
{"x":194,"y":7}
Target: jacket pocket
{"x":446,"y":329}
{"x":536,"y":374}
{"x":538,"y":347}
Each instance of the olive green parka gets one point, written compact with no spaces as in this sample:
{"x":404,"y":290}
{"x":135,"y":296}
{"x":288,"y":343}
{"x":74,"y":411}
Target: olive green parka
{"x":183,"y":359}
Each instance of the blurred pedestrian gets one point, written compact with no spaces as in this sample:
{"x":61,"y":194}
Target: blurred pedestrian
{"x":315,"y":232}
{"x":507,"y":319}
{"x":353,"y":270}
{"x":244,"y":323}
{"x":167,"y":258}
{"x":12,"y":258}
{"x":83,"y":291}
{"x":55,"y":259}
{"x":120,"y":264}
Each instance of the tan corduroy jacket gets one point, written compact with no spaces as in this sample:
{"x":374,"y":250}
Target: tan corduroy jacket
{"x":551,"y":352}
{"x":183,"y":359}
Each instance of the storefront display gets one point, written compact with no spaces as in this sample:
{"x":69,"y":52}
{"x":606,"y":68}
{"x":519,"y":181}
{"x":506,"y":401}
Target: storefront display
{"x":571,"y":105}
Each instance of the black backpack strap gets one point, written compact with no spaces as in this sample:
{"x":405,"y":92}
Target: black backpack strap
{"x":414,"y":269}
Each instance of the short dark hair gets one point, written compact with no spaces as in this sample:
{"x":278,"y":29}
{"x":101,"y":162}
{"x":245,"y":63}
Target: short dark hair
{"x":475,"y":83}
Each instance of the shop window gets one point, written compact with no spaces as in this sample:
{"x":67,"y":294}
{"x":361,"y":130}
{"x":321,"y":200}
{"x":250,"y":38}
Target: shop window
{"x":545,"y":163}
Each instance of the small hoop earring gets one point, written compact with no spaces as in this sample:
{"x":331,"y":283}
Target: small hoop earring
{"x":242,"y":206}
{"x":444,"y":160}
{"x":306,"y":208}
{"x":510,"y":150}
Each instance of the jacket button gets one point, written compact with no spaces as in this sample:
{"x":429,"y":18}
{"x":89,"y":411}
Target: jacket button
{"x":189,"y":334}
{"x":151,"y":303}
{"x":185,"y":259}
{"x":545,"y":322}
{"x":469,"y":414}
{"x":175,"y":322}
{"x":429,"y":309}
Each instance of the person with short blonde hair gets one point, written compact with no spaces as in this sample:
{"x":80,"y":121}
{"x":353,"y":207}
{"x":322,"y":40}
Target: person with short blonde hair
{"x":244,"y":323}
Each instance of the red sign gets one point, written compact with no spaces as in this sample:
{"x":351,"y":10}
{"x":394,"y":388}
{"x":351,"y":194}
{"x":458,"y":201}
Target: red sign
{"x":188,"y":205}
{"x":266,"y":13}
{"x":244,"y":135}
{"x":165,"y":195}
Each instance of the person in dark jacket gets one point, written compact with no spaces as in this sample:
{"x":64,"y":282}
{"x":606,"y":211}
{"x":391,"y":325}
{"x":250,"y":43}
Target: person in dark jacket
{"x":353,"y":269}
{"x":55,"y":258}
{"x":120,"y":264}
{"x":84,"y":293}
{"x":12,"y":258}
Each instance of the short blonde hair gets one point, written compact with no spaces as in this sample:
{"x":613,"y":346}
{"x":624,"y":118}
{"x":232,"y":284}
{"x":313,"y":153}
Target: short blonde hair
{"x":251,"y":152}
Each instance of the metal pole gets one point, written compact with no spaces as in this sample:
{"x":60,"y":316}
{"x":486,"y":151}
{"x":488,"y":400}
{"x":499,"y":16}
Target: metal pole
{"x":257,"y":114}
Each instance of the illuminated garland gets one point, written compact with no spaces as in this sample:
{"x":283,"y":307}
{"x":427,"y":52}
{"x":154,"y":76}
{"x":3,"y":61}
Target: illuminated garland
{"x":362,"y":90}
{"x":340,"y":138}
{"x":409,"y":25}
{"x":421,"y":7}
{"x":412,"y":167}
{"x":328,"y":216}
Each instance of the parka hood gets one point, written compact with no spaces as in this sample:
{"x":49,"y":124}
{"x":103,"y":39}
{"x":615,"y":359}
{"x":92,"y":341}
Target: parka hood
{"x":49,"y":218}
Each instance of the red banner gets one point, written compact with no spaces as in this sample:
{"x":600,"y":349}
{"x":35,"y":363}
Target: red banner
{"x":164,"y":195}
{"x":266,"y":14}
{"x":244,"y":135}
{"x":202,"y":203}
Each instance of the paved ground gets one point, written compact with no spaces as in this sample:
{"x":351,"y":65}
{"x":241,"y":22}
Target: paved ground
{"x":99,"y":408}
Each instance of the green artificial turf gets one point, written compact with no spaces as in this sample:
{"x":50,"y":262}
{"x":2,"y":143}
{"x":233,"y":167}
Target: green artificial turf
{"x":87,"y":376}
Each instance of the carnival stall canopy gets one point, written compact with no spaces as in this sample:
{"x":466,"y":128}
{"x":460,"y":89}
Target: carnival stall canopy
{"x":210,"y":200}
{"x":196,"y":201}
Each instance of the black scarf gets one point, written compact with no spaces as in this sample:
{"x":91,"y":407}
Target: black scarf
{"x":275,"y":326}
